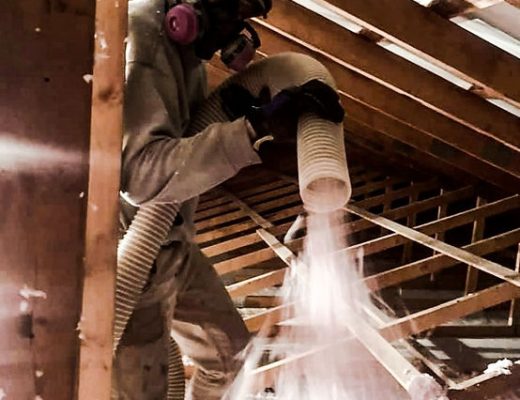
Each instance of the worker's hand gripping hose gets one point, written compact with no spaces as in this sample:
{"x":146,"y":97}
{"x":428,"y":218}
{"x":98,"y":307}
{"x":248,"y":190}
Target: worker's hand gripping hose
{"x":321,"y":166}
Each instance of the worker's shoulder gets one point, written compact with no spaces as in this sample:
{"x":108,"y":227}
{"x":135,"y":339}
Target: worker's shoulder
{"x":145,"y":29}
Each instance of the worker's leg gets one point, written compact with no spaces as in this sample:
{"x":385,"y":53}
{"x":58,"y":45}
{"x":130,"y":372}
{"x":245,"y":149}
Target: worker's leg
{"x":208,"y":329}
{"x":141,"y":363}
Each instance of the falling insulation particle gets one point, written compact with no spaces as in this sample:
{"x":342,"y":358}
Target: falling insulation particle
{"x":27,"y":293}
{"x":501,"y":367}
{"x":79,"y":328}
{"x":2,"y":394}
{"x":38,"y":398}
{"x":116,"y":4}
{"x":102,"y":41}
{"x":424,"y":387}
{"x":81,"y":195}
{"x":38,"y":373}
{"x":94,"y":207}
{"x":24,"y":307}
{"x":88,"y":78}
{"x":37,"y":29}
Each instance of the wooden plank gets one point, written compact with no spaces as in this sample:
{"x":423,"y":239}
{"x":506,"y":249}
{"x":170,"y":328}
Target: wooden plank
{"x":257,"y":218}
{"x":253,"y":285}
{"x":245,"y":260}
{"x":102,"y":232}
{"x":241,"y":241}
{"x":459,"y":254}
{"x":439,"y":262}
{"x":364,"y":115}
{"x":219,"y":220}
{"x":450,"y":310}
{"x":224,"y":232}
{"x":267,"y":318}
{"x":514,"y":311}
{"x":397,"y":152}
{"x":392,"y":70}
{"x":286,"y":190}
{"x":352,"y":227}
{"x":476,"y":234}
{"x":214,"y":211}
{"x":422,"y":33}
{"x":261,"y":301}
{"x":293,"y":211}
{"x":257,"y":189}
{"x":410,"y":221}
{"x":46,"y":48}
{"x":203,"y":206}
{"x":370,"y":247}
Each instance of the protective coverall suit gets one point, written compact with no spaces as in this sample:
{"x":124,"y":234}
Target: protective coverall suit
{"x":165,"y":82}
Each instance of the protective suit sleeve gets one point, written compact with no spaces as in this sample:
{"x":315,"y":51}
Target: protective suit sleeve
{"x":158,"y":164}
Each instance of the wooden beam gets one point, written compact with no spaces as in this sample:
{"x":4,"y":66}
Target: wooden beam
{"x":95,"y":381}
{"x":257,"y":218}
{"x":267,"y":318}
{"x":410,"y":221}
{"x":361,"y":114}
{"x":449,"y":311}
{"x":439,"y":262}
{"x":266,"y":254}
{"x":355,"y":226}
{"x":514,"y":311}
{"x":400,"y":153}
{"x":461,"y":255}
{"x":476,"y":235}
{"x":391,"y":70}
{"x":253,"y":285}
{"x":440,"y":41}
{"x":215,"y":211}
{"x":262,"y":301}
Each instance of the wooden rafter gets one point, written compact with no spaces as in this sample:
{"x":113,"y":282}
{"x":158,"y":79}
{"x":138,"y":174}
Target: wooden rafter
{"x":461,"y":255}
{"x":439,"y":262}
{"x":374,"y":105}
{"x":422,"y":32}
{"x":393,"y":71}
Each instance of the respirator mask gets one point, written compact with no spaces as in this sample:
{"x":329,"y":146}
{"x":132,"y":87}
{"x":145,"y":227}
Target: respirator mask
{"x":212,"y":25}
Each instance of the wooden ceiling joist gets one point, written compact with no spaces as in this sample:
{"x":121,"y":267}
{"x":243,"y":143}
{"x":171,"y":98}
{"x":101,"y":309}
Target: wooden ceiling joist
{"x":439,"y":262}
{"x":461,"y":255}
{"x":390,"y":70}
{"x":420,"y":30}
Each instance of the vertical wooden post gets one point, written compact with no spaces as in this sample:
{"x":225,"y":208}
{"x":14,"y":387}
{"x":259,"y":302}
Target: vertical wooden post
{"x":514,"y":311}
{"x":476,"y":235}
{"x":102,"y":231}
{"x":410,"y":222}
{"x":442,"y":211}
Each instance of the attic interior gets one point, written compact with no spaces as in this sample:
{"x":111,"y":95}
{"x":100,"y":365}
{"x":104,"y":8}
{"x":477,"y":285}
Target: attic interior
{"x":431,"y":92}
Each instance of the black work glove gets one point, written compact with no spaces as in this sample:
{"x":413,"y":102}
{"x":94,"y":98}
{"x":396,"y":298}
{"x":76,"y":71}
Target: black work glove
{"x":278,"y":117}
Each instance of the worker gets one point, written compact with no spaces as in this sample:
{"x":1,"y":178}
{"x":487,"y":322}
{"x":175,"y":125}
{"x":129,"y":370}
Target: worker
{"x":165,"y":83}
